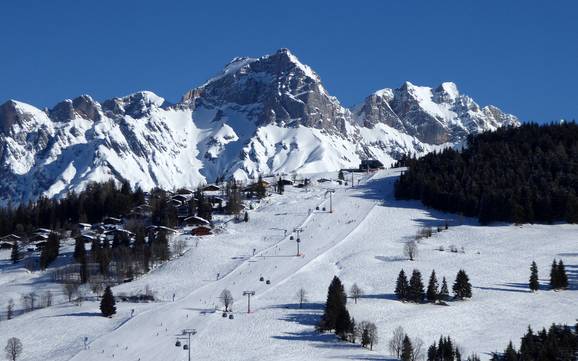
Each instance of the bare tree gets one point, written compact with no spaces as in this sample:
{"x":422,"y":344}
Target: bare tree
{"x":46,"y":299}
{"x":29,"y":301}
{"x":96,"y":287}
{"x":396,"y":342}
{"x":410,"y":250}
{"x":10,"y":309}
{"x":418,"y":349}
{"x":301,"y":296}
{"x":179,"y":247}
{"x":227,"y":299}
{"x":367,"y":331}
{"x":70,"y":290}
{"x":13,"y":349}
{"x":355,"y":292}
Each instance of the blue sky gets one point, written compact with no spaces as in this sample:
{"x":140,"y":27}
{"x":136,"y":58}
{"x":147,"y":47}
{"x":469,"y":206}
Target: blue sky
{"x":519,"y":55}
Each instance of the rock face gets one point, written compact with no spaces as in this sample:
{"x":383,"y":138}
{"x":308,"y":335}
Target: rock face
{"x":259,"y":116}
{"x":434,"y":116}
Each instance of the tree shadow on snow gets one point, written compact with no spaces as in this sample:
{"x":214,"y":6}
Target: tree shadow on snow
{"x":304,"y":306}
{"x":78,"y":314}
{"x":501,"y":289}
{"x":391,"y":258}
{"x":381,"y":296}
{"x":365,"y":357}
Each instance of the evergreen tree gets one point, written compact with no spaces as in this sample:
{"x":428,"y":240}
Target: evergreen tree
{"x":79,"y":250}
{"x":444,"y":291}
{"x":432,"y":288}
{"x":510,"y":354}
{"x":365,"y":339}
{"x":280,"y":186}
{"x":340,"y":175}
{"x":343,"y":324}
{"x":334,"y":306}
{"x":15,"y":254}
{"x":260,"y":188}
{"x":416,"y":292}
{"x":50,"y":250}
{"x":462,"y":287}
{"x":554,"y":276}
{"x":107,"y":303}
{"x":534,"y":282}
{"x":562,"y":276}
{"x":401,"y":286}
{"x":406,"y":350}
{"x":246,"y":218}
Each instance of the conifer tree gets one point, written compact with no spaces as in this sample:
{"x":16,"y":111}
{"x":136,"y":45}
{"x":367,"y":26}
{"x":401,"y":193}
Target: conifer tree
{"x":343,"y":324}
{"x":562,"y":276}
{"x":260,"y":189}
{"x":462,"y":287}
{"x":49,"y":251}
{"x":406,"y":350}
{"x":79,"y":250}
{"x":107,"y":304}
{"x":246,"y":217}
{"x":534,"y":282}
{"x":432,"y":288}
{"x":401,"y":286}
{"x":416,"y":292}
{"x":15,"y":254}
{"x":444,"y":291}
{"x":554,"y":276}
{"x":334,"y":306}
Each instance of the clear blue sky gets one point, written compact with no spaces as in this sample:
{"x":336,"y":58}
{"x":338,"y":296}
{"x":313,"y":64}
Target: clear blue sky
{"x":519,"y":55}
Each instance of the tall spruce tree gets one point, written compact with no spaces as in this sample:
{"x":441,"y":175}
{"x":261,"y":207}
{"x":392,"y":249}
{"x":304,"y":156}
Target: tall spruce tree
{"x":534,"y":282}
{"x":462,"y":287}
{"x":416,"y":291}
{"x":554,"y":276}
{"x":343,"y":324}
{"x":15,"y":254}
{"x":406,"y":349}
{"x":444,"y":294}
{"x":107,"y":303}
{"x":50,"y":250}
{"x":334,"y":306}
{"x":562,"y":276}
{"x":432,"y":288}
{"x":401,"y":286}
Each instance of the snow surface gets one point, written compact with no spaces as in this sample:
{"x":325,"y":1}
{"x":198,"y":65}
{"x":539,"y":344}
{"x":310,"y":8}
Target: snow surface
{"x":361,"y":241}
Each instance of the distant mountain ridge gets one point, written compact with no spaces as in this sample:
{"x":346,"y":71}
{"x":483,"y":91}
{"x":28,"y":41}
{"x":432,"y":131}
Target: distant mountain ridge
{"x":260,"y":115}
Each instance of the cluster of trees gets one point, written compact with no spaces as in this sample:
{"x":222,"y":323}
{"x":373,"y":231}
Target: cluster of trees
{"x":336,"y":316}
{"x":413,"y":290}
{"x":50,"y":250}
{"x":91,"y":205}
{"x":446,"y":350}
{"x":560,"y":342}
{"x":558,"y":276}
{"x":525,"y":174}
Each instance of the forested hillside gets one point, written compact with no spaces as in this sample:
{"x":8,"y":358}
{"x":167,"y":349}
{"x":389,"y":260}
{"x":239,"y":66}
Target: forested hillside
{"x":524,"y":174}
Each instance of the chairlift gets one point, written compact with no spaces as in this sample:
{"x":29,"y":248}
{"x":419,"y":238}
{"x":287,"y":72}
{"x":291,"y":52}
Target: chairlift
{"x":185,"y":347}
{"x":291,"y":238}
{"x":261,"y":279}
{"x":178,"y":344}
{"x":231,"y":317}
{"x":268,"y":282}
{"x":224,"y":314}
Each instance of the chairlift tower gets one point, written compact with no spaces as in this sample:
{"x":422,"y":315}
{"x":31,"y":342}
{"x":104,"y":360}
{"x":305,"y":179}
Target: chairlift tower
{"x":298,"y":230}
{"x":186,"y":336}
{"x":248,"y":294}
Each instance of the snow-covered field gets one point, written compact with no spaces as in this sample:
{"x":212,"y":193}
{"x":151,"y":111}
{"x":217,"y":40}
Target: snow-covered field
{"x":361,"y":241}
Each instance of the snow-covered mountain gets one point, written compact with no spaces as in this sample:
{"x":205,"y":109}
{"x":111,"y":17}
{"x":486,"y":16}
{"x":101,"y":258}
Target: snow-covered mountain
{"x":260,"y":115}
